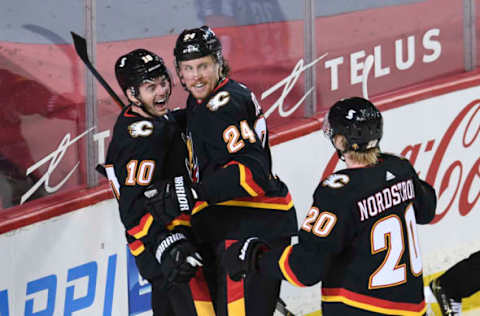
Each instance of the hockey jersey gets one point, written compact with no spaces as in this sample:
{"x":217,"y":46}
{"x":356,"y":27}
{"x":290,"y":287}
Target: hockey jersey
{"x":360,"y":239}
{"x":143,"y":150}
{"x":230,"y":164}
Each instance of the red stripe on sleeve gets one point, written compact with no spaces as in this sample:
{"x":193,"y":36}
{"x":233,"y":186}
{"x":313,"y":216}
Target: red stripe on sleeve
{"x":248,"y":178}
{"x":372,"y":300}
{"x":235,"y":290}
{"x":141,"y":226}
{"x":251,"y":182}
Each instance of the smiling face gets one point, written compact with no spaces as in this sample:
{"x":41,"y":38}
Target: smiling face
{"x":200,"y":75}
{"x":153,"y":95}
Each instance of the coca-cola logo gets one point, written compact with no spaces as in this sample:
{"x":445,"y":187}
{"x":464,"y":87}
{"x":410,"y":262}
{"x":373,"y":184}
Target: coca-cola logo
{"x":452,"y":171}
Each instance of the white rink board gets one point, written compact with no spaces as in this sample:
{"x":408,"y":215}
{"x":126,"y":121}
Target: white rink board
{"x":64,"y":253}
{"x":70,"y":252}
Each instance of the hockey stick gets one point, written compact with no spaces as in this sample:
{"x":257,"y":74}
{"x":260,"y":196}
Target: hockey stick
{"x":282,"y":308}
{"x":81,"y":47}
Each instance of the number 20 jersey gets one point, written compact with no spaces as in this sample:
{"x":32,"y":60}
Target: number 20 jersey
{"x":360,"y":239}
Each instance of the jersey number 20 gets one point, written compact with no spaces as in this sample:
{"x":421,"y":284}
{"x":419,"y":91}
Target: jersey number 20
{"x":387,"y":235}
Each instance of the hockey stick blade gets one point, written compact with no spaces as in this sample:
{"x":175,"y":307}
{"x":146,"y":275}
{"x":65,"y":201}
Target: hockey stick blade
{"x":281,"y":307}
{"x":81,"y":48}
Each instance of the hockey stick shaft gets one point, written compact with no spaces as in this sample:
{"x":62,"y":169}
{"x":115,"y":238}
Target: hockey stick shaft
{"x":282,"y":308}
{"x":81,"y":48}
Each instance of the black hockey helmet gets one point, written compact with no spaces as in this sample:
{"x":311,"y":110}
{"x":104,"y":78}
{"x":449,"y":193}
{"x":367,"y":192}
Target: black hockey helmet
{"x":134,"y":68}
{"x":196,"y":43}
{"x":358,"y":120}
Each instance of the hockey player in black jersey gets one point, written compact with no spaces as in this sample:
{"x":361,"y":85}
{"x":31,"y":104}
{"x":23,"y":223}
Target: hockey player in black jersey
{"x":460,"y":281}
{"x":359,"y":238}
{"x":234,"y":192}
{"x":146,"y":147}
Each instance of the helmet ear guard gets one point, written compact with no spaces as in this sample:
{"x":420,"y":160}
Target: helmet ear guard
{"x":133,"y":91}
{"x":358,"y":120}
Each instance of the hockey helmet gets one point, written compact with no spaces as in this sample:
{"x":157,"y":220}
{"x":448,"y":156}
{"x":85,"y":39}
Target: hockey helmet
{"x":132,"y":69}
{"x":358,"y":120}
{"x":196,"y":43}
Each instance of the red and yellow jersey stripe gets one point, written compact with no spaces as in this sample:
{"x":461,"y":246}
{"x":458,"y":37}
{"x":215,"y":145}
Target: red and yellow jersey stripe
{"x":199,"y":205}
{"x":201,"y":295}
{"x":286,"y":269}
{"x":136,"y":247}
{"x":373,"y":304}
{"x":235,"y":292}
{"x":142,"y":228}
{"x":181,"y":220}
{"x":283,"y":203}
{"x":246,"y":180}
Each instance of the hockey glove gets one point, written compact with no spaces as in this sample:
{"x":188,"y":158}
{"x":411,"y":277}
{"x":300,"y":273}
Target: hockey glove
{"x":178,"y":258}
{"x":241,"y":257}
{"x":169,"y":198}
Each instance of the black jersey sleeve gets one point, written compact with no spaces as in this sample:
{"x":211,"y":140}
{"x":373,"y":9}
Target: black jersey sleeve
{"x":326,"y":229}
{"x":425,"y":202}
{"x":425,"y":196}
{"x":234,"y":180}
{"x":179,"y":115}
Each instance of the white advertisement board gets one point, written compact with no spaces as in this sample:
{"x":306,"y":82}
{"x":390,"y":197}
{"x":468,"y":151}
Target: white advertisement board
{"x":74,"y":264}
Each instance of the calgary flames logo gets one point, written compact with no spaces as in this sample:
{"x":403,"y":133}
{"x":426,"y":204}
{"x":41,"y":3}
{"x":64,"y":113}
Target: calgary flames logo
{"x":219,"y":100}
{"x":142,"y":128}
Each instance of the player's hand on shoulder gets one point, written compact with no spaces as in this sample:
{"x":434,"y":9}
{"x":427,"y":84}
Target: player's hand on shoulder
{"x":242,"y":257}
{"x":179,"y":114}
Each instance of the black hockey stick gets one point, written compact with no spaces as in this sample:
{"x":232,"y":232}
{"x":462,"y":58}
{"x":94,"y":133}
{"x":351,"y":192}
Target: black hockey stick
{"x":81,"y":47}
{"x":282,"y":308}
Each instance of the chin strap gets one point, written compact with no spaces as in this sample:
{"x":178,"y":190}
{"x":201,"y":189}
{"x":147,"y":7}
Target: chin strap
{"x":340,"y":154}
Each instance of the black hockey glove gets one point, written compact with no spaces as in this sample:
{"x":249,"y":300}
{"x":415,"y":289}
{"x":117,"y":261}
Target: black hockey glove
{"x":168,"y":198}
{"x":241,"y":257}
{"x":178,"y":258}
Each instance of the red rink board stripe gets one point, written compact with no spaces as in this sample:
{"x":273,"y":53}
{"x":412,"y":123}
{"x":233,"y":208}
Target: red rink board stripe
{"x":62,"y":203}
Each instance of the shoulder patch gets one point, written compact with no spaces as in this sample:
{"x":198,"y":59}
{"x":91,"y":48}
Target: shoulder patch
{"x":336,"y":180}
{"x":141,"y":128}
{"x":219,"y":100}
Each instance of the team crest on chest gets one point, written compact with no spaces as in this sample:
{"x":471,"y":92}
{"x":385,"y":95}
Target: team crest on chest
{"x":142,"y":128}
{"x":219,"y":100}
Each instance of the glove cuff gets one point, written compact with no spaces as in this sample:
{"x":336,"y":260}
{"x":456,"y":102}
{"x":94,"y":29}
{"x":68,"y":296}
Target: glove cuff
{"x":166,"y":243}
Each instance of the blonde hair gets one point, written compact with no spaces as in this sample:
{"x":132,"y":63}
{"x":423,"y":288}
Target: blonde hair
{"x":368,"y":157}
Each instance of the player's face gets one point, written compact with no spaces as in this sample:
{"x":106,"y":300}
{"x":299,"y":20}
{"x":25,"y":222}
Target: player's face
{"x":154,"y":95}
{"x":200,"y":75}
